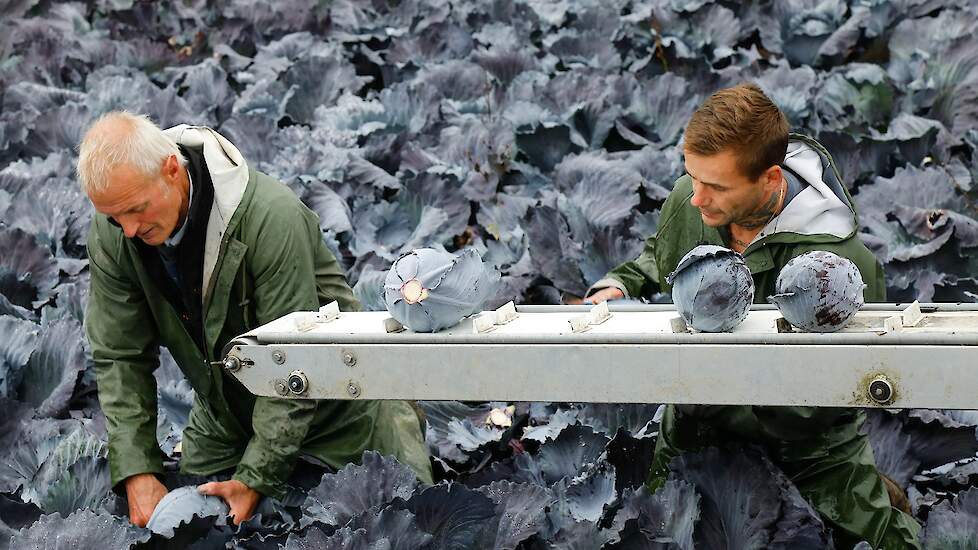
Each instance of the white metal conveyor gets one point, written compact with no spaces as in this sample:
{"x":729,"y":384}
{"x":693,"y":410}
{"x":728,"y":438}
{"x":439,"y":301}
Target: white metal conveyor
{"x":889,"y":356}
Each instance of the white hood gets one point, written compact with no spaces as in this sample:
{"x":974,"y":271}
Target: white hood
{"x":820,"y":207}
{"x":229,"y":173}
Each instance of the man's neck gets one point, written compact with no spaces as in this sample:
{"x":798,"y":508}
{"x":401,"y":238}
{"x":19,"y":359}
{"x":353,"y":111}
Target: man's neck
{"x":184,"y":196}
{"x":744,"y":231}
{"x":184,"y":188}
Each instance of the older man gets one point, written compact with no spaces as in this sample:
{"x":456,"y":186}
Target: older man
{"x":772,"y":196}
{"x":190,"y":248}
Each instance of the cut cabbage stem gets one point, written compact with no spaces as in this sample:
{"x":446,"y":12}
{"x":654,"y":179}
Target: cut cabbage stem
{"x":413,"y":292}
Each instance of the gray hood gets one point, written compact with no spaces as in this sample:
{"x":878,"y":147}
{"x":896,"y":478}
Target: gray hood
{"x":822,"y":207}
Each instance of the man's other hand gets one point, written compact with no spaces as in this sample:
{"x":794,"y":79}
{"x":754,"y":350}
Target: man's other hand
{"x":240,"y":498}
{"x":605,"y":294}
{"x":144,"y":492}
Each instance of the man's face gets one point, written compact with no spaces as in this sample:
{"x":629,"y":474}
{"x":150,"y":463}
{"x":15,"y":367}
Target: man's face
{"x":725,"y":196}
{"x":144,"y":207}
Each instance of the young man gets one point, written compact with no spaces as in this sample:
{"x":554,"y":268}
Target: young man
{"x":190,"y":248}
{"x":770,"y":195}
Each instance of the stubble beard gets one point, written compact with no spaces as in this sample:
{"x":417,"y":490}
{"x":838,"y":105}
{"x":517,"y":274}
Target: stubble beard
{"x":761,"y":215}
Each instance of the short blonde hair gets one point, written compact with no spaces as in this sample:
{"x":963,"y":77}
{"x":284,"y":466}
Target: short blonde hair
{"x":120,"y":138}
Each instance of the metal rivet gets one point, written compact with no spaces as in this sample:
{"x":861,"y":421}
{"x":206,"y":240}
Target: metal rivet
{"x":881,"y":390}
{"x":278,"y":356}
{"x":280,"y":387}
{"x":353,"y":390}
{"x":232,"y":364}
{"x":298,"y":383}
{"x":349,"y":359}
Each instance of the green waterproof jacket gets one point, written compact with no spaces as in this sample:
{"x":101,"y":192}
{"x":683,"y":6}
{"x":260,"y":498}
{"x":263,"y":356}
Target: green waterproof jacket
{"x":265,"y":259}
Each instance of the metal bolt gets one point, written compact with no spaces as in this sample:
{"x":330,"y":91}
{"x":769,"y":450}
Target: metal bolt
{"x":232,"y":364}
{"x":349,"y":359}
{"x":881,"y":390}
{"x":353,"y":389}
{"x":278,"y":356}
{"x":298,"y":383}
{"x":280,"y":387}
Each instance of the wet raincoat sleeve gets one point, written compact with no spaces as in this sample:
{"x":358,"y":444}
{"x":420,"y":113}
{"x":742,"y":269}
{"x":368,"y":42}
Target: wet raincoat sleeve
{"x":636,"y":278}
{"x":291,"y":269}
{"x":125,"y":349}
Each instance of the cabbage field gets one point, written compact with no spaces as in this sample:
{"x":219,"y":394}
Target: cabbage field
{"x":541,"y":133}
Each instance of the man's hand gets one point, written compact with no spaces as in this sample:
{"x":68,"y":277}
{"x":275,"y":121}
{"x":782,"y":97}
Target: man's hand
{"x":605,"y":294}
{"x":144,"y":492}
{"x":241,"y":499}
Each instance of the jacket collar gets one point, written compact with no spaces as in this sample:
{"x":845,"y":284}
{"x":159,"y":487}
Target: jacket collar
{"x":822,"y":211}
{"x":229,"y":174}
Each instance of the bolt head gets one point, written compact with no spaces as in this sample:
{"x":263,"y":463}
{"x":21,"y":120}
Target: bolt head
{"x":232,"y":364}
{"x":881,"y":390}
{"x":349,"y":359}
{"x":281,"y":388}
{"x":353,"y":390}
{"x":278,"y":356}
{"x":298,"y":383}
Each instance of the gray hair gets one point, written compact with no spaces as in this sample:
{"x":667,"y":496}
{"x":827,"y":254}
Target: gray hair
{"x":120,"y":138}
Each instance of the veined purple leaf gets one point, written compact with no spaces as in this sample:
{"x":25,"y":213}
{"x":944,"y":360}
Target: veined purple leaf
{"x":319,"y":79}
{"x":942,"y":80}
{"x":54,"y":368}
{"x":82,"y":529}
{"x":660,"y":110}
{"x":454,"y":428}
{"x":521,"y":507}
{"x":584,"y":498}
{"x":369,"y":289}
{"x":576,"y":449}
{"x":205,"y":88}
{"x":554,"y":250}
{"x":174,"y":401}
{"x":428,"y":211}
{"x":456,"y":517}
{"x":746,"y":502}
{"x":19,"y":342}
{"x":953,"y":524}
{"x":113,"y":88}
{"x":791,"y":90}
{"x":47,"y":204}
{"x":587,"y":41}
{"x":28,"y":272}
{"x":388,"y":528}
{"x":605,"y":191}
{"x":666,"y":517}
{"x":357,"y":489}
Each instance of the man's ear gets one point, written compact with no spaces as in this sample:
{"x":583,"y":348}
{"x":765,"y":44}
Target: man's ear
{"x":771,"y":178}
{"x":171,"y":169}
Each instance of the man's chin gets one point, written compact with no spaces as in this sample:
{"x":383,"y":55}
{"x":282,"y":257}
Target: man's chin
{"x":153,"y":240}
{"x":712,"y":221}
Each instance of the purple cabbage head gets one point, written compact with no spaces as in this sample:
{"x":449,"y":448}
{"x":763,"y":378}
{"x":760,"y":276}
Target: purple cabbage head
{"x":181,"y":506}
{"x":712,"y":288}
{"x":819,"y":291}
{"x":428,"y":290}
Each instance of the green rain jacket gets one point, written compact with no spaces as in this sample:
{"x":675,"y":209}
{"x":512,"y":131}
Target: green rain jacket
{"x":820,"y":448}
{"x":263,"y":258}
